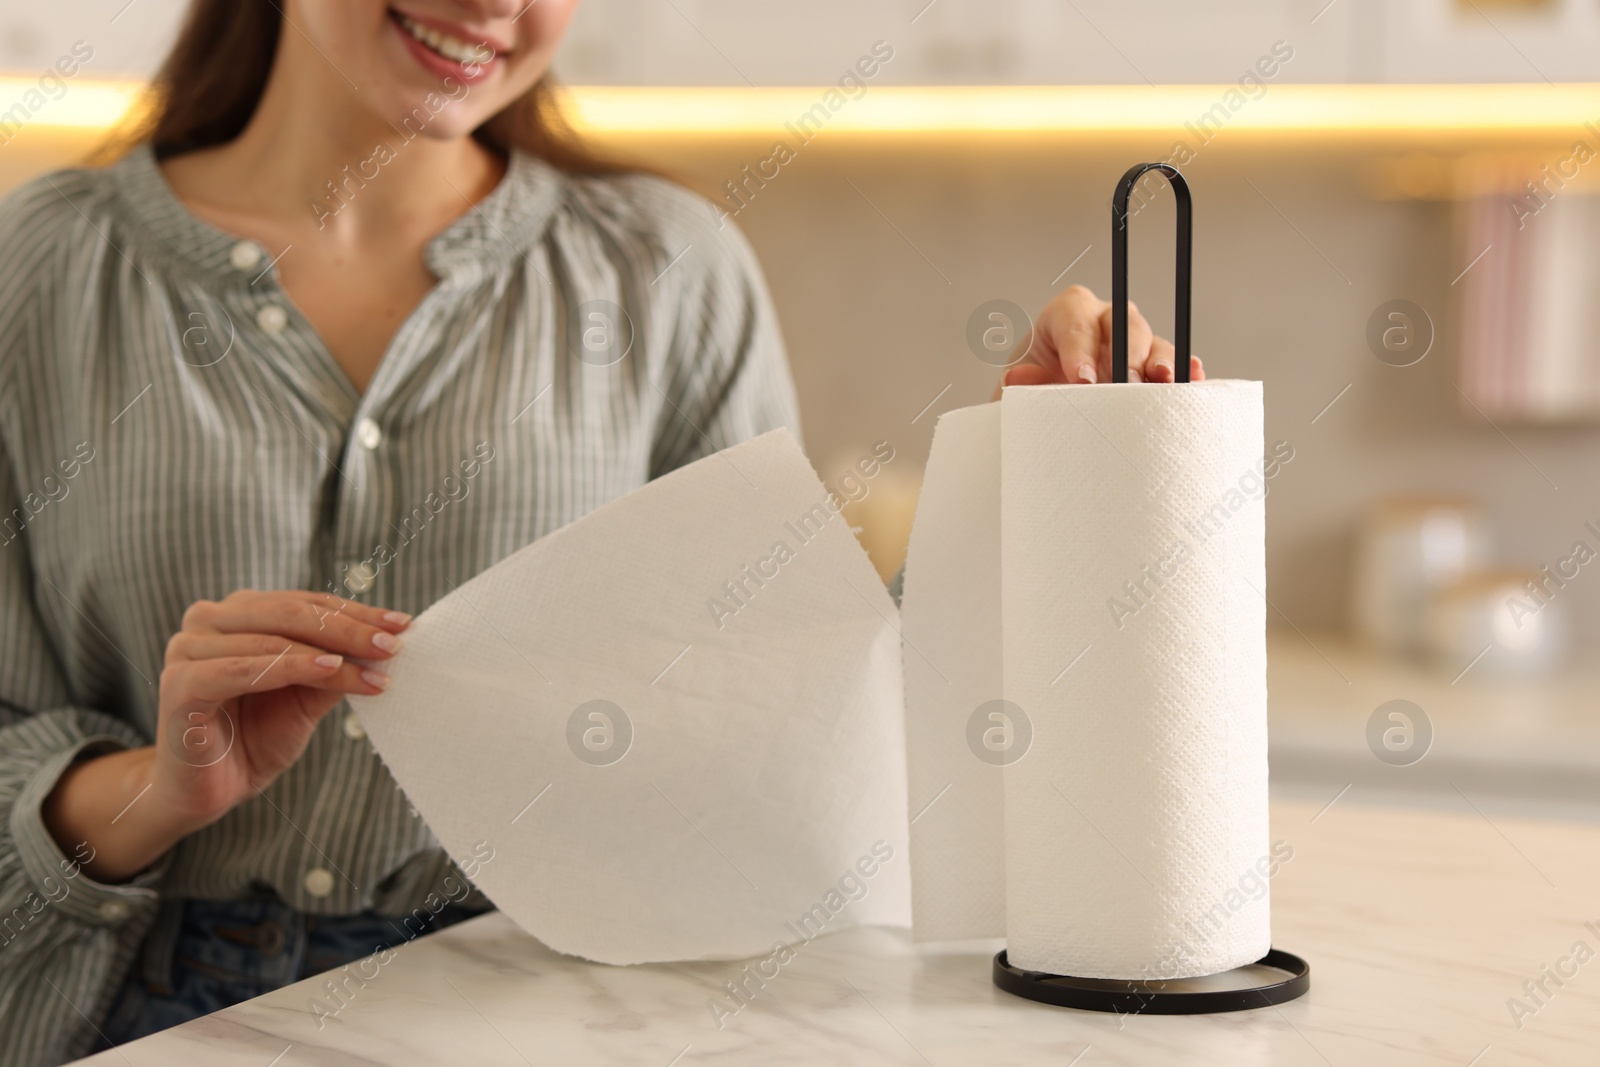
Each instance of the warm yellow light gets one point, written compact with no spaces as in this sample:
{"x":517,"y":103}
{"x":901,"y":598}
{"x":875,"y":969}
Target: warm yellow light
{"x":605,"y":110}
{"x":1090,"y":109}
{"x":82,"y":105}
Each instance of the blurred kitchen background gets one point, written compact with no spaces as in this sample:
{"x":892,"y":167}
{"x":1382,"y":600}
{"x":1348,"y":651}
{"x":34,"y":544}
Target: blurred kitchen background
{"x":1423,"y":317}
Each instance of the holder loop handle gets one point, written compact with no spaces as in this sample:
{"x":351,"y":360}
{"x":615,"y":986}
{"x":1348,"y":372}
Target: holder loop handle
{"x":1119,"y":270}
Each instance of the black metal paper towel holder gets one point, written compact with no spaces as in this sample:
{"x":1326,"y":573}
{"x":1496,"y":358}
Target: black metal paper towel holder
{"x":1184,"y":272}
{"x":1145,"y":996}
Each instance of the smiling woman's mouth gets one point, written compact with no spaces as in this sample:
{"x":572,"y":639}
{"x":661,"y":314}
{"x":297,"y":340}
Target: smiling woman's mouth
{"x":446,"y":47}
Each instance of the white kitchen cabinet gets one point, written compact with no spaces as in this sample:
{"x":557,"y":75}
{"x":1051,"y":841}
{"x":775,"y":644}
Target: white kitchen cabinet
{"x":128,"y":38}
{"x":763,"y":42}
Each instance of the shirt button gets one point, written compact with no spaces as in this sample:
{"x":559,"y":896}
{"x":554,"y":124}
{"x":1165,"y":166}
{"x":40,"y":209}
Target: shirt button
{"x":353,"y":728}
{"x":368,"y":433}
{"x":358,"y":579}
{"x":246,"y":255}
{"x":114,"y":910}
{"x":319,"y":881}
{"x":272,"y":319}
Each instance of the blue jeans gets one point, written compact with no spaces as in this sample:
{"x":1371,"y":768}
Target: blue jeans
{"x":204,"y":955}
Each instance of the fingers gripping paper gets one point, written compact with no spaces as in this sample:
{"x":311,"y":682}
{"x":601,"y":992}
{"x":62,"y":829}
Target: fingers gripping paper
{"x":1128,"y":540}
{"x":677,"y":722}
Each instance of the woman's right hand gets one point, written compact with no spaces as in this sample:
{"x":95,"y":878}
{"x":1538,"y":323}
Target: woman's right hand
{"x":246,"y":681}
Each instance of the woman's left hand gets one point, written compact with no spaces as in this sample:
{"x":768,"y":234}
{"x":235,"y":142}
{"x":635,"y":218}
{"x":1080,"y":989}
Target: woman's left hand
{"x":1071,"y":343}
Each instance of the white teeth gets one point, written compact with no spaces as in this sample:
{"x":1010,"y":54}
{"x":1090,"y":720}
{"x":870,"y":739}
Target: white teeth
{"x":452,"y":48}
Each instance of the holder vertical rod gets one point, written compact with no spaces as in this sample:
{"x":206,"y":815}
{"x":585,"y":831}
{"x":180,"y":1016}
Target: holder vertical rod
{"x":1119,"y":270}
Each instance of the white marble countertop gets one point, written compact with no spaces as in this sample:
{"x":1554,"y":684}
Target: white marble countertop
{"x":1419,"y":926}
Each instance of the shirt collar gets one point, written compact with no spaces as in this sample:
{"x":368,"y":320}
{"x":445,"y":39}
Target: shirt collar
{"x":486,"y":237}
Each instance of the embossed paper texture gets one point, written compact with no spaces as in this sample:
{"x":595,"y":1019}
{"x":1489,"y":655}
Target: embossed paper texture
{"x":1113,"y":738}
{"x":679,"y":722}
{"x":951,"y":622}
{"x":676,"y":722}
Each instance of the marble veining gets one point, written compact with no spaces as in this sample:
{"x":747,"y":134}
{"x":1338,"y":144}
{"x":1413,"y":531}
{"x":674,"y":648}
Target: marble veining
{"x":1419,"y":927}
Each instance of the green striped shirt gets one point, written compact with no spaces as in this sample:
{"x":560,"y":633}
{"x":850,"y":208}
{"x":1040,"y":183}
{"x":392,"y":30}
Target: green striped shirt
{"x":172,"y":429}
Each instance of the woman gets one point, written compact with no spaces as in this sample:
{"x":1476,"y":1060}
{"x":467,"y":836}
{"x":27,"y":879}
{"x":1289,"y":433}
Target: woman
{"x":351,"y":321}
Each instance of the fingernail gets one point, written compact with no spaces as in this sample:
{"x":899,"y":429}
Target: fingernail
{"x":1086,"y":374}
{"x":374,"y":679}
{"x":1165,"y":371}
{"x":397,"y":618}
{"x":386,"y":641}
{"x":328,"y":661}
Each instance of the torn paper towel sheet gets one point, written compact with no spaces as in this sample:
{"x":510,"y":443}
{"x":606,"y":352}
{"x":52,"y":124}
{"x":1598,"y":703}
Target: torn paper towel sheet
{"x":958,"y":734}
{"x":1131,"y":554}
{"x":677,"y":721}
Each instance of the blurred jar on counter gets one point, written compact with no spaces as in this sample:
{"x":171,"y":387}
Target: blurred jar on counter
{"x":1407,"y":549}
{"x":1488,"y":619}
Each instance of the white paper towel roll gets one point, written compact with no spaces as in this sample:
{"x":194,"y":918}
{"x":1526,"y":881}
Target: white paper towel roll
{"x":1133,"y":584}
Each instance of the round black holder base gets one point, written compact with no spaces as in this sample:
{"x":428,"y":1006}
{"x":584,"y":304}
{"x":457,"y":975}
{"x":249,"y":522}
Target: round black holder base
{"x":1127,"y":997}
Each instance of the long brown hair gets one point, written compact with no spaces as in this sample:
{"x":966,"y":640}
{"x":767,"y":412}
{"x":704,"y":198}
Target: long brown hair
{"x":211,"y":82}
